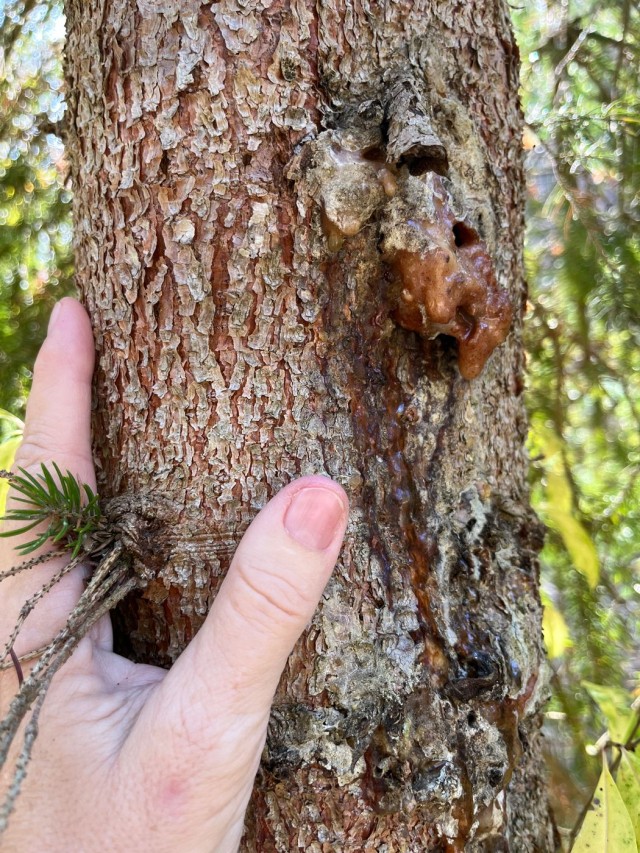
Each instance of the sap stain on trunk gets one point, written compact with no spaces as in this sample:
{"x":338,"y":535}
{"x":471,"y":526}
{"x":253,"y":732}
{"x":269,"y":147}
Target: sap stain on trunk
{"x":444,"y":278}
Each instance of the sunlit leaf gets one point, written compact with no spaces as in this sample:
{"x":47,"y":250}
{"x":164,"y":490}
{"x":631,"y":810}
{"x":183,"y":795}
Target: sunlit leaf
{"x":615,"y":705}
{"x":577,"y":541}
{"x":7,"y":455}
{"x":558,"y":510}
{"x":628,"y":782}
{"x":559,"y":495}
{"x":555,"y":630}
{"x":607,"y":827}
{"x":15,"y":424}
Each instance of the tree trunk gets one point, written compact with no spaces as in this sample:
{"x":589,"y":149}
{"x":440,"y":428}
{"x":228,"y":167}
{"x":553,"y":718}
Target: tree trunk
{"x":297,"y":224}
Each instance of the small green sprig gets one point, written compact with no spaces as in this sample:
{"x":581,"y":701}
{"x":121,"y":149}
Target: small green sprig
{"x":69,"y":508}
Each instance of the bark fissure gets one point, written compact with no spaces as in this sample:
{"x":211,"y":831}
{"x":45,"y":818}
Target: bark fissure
{"x":239,"y":347}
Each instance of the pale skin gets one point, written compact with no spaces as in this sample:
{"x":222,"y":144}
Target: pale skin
{"x":132,"y":757}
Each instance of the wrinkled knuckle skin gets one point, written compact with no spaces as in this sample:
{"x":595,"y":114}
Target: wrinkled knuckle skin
{"x":43,"y":445}
{"x":278,"y":599}
{"x":37,"y":446}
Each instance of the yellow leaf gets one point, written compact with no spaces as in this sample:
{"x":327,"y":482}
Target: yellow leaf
{"x":615,"y":704}
{"x":558,"y":509}
{"x":548,"y":441}
{"x":555,"y":629}
{"x":628,"y":782}
{"x":577,"y":542}
{"x":607,"y":827}
{"x":559,"y":494}
{"x":7,"y":454}
{"x":16,"y":424}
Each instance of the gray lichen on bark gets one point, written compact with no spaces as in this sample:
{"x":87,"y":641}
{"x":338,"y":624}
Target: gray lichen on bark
{"x":237,"y":352}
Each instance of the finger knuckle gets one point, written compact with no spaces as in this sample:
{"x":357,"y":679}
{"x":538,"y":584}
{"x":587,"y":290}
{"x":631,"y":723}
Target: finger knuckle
{"x":270,"y":594}
{"x":42,"y":445}
{"x":35,"y":448}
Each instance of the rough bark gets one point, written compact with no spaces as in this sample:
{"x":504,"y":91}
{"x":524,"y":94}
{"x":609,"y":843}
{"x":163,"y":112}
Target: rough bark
{"x":245,"y":275}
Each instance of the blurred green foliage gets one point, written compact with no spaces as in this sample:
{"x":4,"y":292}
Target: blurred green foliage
{"x":581,"y":91}
{"x":581,"y":94}
{"x":35,"y":226}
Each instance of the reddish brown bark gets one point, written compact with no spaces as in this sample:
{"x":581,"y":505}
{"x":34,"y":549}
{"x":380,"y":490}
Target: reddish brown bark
{"x":247,"y":335}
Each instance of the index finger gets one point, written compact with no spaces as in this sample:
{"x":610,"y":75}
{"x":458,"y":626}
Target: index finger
{"x":57,"y":429}
{"x":57,"y":424}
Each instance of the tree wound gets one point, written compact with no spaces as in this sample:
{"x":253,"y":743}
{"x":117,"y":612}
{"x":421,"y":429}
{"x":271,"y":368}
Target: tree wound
{"x":446,"y":282}
{"x":351,"y":181}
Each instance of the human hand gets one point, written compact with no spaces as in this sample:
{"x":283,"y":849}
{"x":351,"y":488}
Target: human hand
{"x":131,"y":757}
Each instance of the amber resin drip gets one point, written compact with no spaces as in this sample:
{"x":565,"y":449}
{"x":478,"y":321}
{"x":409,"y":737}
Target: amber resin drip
{"x":445,"y":279}
{"x":446,"y":282}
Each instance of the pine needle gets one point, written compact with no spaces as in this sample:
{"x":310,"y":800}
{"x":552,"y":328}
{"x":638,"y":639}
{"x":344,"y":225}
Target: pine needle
{"x":67,"y":514}
{"x":69,"y":509}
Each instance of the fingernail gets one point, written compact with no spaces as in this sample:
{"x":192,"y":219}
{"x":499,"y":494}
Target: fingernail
{"x":54,"y":319}
{"x":314,"y":518}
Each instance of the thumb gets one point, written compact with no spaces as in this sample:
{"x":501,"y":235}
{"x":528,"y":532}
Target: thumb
{"x":231,"y":669}
{"x":275,"y":581}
